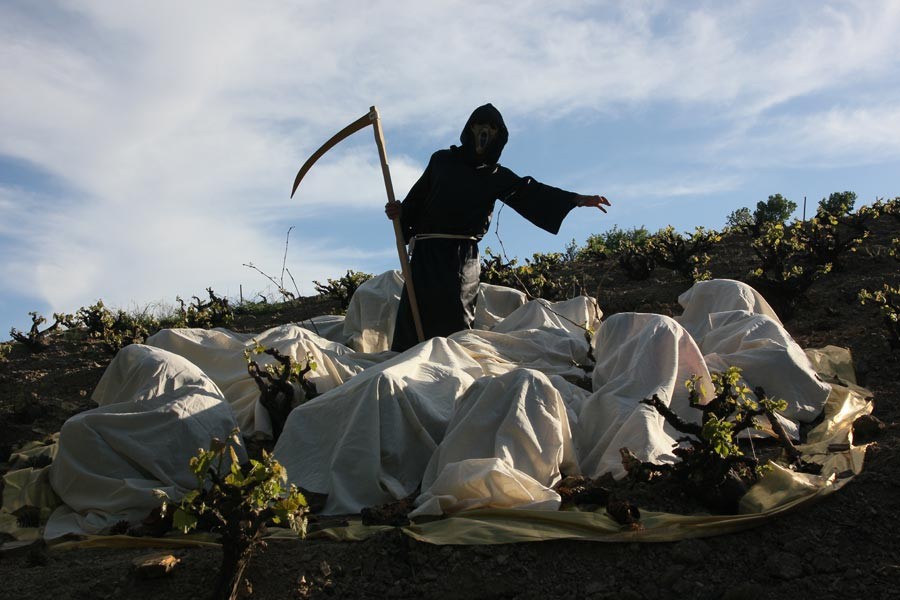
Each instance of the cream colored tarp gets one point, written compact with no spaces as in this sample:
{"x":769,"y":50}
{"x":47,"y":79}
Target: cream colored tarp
{"x":219,"y":354}
{"x":707,"y":298}
{"x":735,"y":327}
{"x":780,"y":491}
{"x":156,"y":409}
{"x":489,"y":417}
{"x":509,"y":438}
{"x":638,"y":356}
{"x":367,"y":442}
{"x":330,"y":327}
{"x":372,"y":313}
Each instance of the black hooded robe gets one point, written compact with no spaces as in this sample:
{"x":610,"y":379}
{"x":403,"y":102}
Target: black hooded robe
{"x":456,"y":195}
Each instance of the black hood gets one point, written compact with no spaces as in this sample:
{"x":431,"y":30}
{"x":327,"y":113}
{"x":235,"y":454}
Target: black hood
{"x":490,"y":115}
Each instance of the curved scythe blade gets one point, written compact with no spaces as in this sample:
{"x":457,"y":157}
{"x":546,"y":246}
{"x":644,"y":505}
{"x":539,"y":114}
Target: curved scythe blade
{"x":363,"y":121}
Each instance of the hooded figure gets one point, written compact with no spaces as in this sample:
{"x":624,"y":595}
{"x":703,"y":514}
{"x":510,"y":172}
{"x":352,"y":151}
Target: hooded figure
{"x":448,"y":211}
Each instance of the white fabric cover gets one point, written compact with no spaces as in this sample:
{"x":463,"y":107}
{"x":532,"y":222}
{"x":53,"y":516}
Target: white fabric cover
{"x":330,"y":327}
{"x":367,"y":442}
{"x":735,"y":327}
{"x":156,"y":409}
{"x":486,"y":417}
{"x":372,"y":313}
{"x":483,"y":483}
{"x":369,"y":325}
{"x":506,"y":446}
{"x":494,"y":303}
{"x":769,"y":358}
{"x":538,"y":335}
{"x":219,"y":354}
{"x":572,"y":316}
{"x":551,"y":352}
{"x":719,"y":295}
{"x":638,"y":355}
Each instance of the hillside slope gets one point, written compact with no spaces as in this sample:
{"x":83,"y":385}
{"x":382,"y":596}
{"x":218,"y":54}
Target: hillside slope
{"x":846,"y":546}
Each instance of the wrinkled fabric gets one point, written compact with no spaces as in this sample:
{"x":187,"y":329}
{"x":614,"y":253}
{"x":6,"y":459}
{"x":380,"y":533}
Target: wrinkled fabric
{"x":706,"y":298}
{"x":486,"y":417}
{"x":330,"y":327}
{"x":539,"y":335}
{"x":768,"y":358}
{"x":367,"y":442}
{"x":638,"y":356}
{"x":735,"y":327}
{"x":494,"y":303}
{"x":483,"y":483}
{"x":219,"y":354}
{"x":156,"y":409}
{"x":507,"y":445}
{"x":372,"y":313}
{"x":573,"y":316}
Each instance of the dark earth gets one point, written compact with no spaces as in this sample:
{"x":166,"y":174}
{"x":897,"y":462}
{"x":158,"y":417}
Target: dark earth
{"x":845,"y":546}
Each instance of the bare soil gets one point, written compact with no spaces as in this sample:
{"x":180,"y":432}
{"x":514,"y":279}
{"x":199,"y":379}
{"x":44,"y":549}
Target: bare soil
{"x":845,"y":546}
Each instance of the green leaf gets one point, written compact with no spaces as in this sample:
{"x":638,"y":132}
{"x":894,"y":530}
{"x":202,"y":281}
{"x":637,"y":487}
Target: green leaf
{"x":199,"y":464}
{"x":190,"y":497}
{"x":183,"y":520}
{"x":718,"y":432}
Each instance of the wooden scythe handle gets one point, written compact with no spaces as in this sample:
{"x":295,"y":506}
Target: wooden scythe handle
{"x":401,"y":245}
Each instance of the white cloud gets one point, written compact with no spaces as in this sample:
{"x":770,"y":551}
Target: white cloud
{"x":839,"y":136}
{"x":688,"y":185}
{"x":353,"y":180}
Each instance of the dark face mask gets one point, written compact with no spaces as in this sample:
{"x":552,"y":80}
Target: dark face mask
{"x":483,"y":134}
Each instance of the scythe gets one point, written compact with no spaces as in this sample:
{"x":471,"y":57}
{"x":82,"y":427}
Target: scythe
{"x":372,"y":118}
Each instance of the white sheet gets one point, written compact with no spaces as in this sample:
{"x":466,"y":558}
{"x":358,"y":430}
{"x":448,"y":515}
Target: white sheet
{"x":156,"y":409}
{"x":638,"y":355}
{"x":769,"y":358}
{"x":219,"y":354}
{"x":494,"y":303}
{"x":330,"y":327}
{"x":486,"y":417}
{"x":369,"y":326}
{"x":735,"y":327}
{"x":705,"y":298}
{"x":538,"y":335}
{"x":506,"y":446}
{"x":367,"y":442}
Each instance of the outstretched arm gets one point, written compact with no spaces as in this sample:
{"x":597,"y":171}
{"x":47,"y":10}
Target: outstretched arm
{"x":597,"y":201}
{"x":543,"y":205}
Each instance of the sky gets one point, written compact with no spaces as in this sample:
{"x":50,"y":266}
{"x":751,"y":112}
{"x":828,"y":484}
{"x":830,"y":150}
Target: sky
{"x":147,"y":149}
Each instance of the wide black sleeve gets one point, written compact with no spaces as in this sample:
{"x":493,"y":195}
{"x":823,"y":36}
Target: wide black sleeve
{"x":543,"y":205}
{"x":414,"y":202}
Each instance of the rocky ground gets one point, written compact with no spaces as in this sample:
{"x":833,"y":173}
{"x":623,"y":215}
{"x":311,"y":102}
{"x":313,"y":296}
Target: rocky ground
{"x":845,"y":546}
